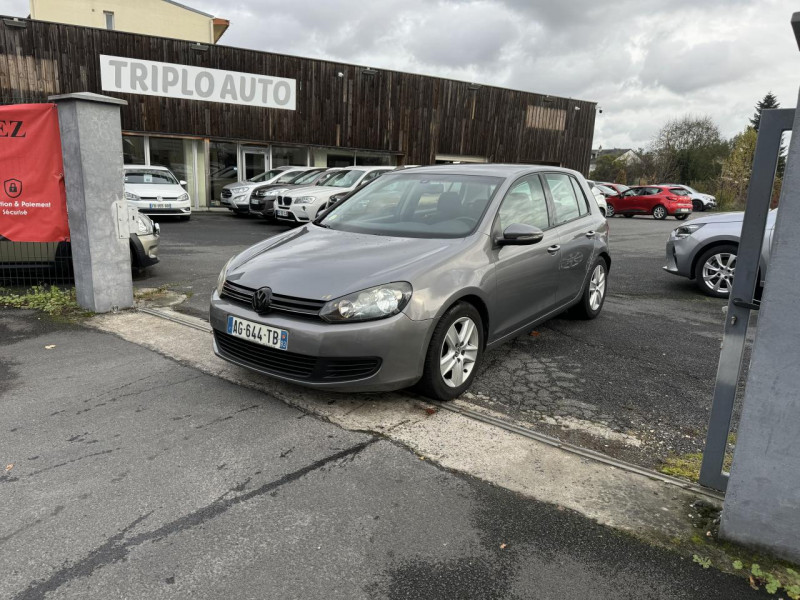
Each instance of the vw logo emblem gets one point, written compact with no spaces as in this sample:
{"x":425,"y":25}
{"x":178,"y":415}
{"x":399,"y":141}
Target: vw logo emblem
{"x":262,"y":300}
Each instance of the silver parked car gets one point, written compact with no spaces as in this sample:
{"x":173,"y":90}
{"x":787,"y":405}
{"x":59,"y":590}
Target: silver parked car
{"x":700,"y":201}
{"x":413,"y":277}
{"x":705,"y":250}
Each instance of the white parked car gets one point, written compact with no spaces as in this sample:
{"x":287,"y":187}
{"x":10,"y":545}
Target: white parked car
{"x":600,"y":198}
{"x":700,"y":201}
{"x":302,"y":205}
{"x":156,"y":191}
{"x":236,"y":196}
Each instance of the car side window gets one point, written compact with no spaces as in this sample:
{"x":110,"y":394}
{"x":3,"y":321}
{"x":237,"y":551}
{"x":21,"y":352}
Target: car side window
{"x":525,"y":203}
{"x":583,"y":204}
{"x":564,"y":198}
{"x":653,"y":191}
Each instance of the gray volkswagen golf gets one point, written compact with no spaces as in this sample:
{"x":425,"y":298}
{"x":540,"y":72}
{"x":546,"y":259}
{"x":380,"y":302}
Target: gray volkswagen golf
{"x":411,"y":279}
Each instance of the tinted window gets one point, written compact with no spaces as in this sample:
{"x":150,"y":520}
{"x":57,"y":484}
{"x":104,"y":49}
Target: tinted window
{"x":525,"y":203}
{"x":652,"y":191}
{"x":679,"y":192}
{"x":583,"y":207}
{"x":564,"y":199}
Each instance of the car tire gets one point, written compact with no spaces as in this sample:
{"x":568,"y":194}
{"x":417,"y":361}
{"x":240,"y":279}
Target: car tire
{"x":627,"y":216}
{"x":710,"y":262}
{"x":681,"y":217}
{"x":698,"y":206}
{"x":594,"y":291}
{"x":447,"y":338}
{"x":610,"y":212}
{"x":659,"y":212}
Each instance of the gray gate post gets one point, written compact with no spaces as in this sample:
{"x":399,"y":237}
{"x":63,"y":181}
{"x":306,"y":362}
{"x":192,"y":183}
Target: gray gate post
{"x":91,"y":144}
{"x":762,"y":504}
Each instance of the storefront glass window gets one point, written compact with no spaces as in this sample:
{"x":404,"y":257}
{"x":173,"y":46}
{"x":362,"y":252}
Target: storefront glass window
{"x":341,"y":159}
{"x":289,"y":155}
{"x":369,"y":159}
{"x":177,"y":155}
{"x":133,"y":149}
{"x":223,"y":168}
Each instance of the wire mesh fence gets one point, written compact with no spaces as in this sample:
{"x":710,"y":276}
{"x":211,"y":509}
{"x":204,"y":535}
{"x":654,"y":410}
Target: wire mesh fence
{"x":33,"y":263}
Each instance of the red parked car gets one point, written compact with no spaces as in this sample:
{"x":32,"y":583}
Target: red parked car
{"x":656,"y":200}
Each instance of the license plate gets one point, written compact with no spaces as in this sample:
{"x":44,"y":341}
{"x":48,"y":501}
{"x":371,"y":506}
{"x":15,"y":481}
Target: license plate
{"x":258,"y":333}
{"x":282,"y":213}
{"x":682,"y":210}
{"x":159,"y":205}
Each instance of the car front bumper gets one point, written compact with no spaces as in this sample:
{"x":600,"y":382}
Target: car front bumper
{"x":679,"y":255}
{"x":263,"y":207}
{"x":297,"y":213}
{"x":398,"y":342}
{"x":175,"y":207}
{"x":145,"y":247}
{"x":238,"y":203}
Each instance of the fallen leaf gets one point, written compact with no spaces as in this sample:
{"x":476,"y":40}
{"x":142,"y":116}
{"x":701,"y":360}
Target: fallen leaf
{"x":534,"y":333}
{"x":753,"y":583}
{"x":422,"y":458}
{"x":9,"y":466}
{"x":431,"y":411}
{"x":49,"y":346}
{"x":503,"y":546}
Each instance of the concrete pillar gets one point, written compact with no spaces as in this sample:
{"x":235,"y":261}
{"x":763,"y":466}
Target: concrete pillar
{"x":91,"y":144}
{"x":762,"y":505}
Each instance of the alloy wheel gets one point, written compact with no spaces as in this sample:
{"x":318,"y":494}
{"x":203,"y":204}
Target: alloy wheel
{"x":597,"y":287}
{"x":718,"y":272}
{"x":610,"y":211}
{"x":659,"y":212}
{"x":459,"y":352}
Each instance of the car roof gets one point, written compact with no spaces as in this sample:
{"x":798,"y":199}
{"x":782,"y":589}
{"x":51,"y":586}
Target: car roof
{"x":492,"y":169}
{"x":151,"y":167}
{"x":365,"y":168}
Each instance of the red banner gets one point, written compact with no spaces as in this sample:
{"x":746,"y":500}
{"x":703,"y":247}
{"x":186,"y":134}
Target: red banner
{"x":33,"y":202}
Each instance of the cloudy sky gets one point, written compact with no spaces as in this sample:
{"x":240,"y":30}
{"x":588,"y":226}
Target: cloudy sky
{"x":642,"y":61}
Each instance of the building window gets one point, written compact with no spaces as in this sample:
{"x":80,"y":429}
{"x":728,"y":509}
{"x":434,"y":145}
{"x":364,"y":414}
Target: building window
{"x":373,"y":159}
{"x":282,"y":156}
{"x":222,"y":167}
{"x":133,"y":152}
{"x":109,"y":19}
{"x":336,"y":159}
{"x":178,"y":156}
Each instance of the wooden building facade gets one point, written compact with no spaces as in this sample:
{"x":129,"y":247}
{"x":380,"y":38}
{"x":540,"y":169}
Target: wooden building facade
{"x":343,"y":114}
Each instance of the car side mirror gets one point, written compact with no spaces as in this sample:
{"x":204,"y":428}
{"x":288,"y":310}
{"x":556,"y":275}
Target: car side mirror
{"x":182,"y":182}
{"x":519,"y":234}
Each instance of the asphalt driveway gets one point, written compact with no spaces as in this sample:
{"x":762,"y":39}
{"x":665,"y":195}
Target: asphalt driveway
{"x":635,"y":383}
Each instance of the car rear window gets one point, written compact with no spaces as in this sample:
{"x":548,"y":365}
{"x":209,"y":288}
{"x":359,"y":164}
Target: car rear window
{"x":678,"y":191}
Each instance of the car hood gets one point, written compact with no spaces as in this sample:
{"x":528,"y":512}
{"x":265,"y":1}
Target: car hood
{"x":154,"y":189}
{"x":319,"y":190}
{"x":245,"y":184}
{"x":317,"y":263}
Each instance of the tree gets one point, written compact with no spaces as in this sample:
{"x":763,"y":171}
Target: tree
{"x":768,"y":101}
{"x":688,"y":149}
{"x":606,"y":168}
{"x":736,"y":170}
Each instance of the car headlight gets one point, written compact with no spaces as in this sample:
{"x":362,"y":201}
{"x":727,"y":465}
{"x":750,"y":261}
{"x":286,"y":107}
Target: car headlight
{"x":131,"y":196}
{"x":143,"y":225}
{"x":685,"y":231}
{"x":183,"y":197}
{"x":305,"y":200}
{"x":239,"y":190}
{"x":222,"y":274}
{"x":376,"y":302}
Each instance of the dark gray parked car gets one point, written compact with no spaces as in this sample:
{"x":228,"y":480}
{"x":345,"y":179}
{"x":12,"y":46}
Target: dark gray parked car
{"x":412,"y":278}
{"x":705,"y":250}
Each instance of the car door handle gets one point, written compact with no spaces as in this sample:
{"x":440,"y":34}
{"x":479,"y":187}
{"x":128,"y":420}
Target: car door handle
{"x":554,"y":248}
{"x":590,"y":234}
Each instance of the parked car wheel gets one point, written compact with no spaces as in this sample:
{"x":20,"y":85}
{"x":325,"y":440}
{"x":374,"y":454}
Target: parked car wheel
{"x":454,"y":353}
{"x":715,"y":270}
{"x":681,"y":217}
{"x":698,"y":206}
{"x":659,"y":212}
{"x":610,"y":212}
{"x":594,"y":293}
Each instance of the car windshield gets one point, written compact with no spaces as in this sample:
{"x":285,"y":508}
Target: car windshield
{"x":149,"y":176}
{"x":290,"y":177}
{"x":606,"y":190}
{"x":416,"y":205}
{"x":266,"y":176}
{"x":326,"y":177}
{"x":345,"y":178}
{"x":306,"y":177}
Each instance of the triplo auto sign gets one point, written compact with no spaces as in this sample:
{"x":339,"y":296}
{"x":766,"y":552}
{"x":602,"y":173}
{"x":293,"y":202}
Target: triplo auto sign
{"x":150,"y":78}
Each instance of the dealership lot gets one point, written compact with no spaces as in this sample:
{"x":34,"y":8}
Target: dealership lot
{"x":636,"y":383}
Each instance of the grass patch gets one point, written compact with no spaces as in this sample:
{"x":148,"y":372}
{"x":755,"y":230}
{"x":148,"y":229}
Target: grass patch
{"x":51,"y":300}
{"x":687,"y":466}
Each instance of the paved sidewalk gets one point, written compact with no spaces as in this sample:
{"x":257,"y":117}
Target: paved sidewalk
{"x":138,"y":476}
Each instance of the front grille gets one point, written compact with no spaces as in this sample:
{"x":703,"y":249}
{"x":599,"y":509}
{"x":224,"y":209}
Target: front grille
{"x":157,"y":199}
{"x":226,"y":193}
{"x":284,"y":201}
{"x":292,"y":365}
{"x":300,"y":307}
